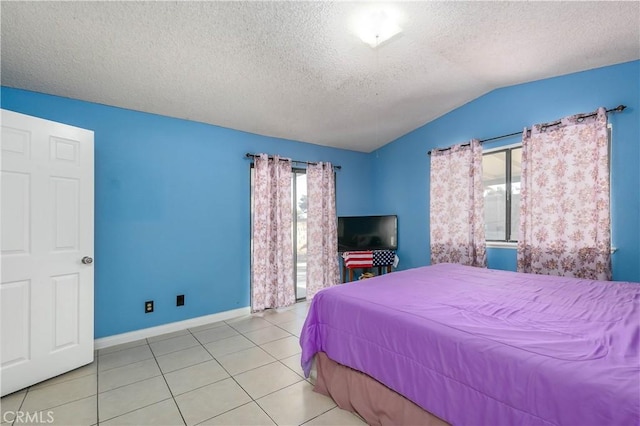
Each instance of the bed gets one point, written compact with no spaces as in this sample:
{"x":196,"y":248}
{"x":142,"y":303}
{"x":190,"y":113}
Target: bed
{"x":480,"y":346}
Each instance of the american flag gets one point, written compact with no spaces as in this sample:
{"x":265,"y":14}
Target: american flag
{"x":367,"y":259}
{"x":383,"y":257}
{"x":358,"y":259}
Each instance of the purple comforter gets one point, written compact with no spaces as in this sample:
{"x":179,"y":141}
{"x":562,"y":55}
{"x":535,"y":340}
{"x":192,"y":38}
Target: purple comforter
{"x":480,"y":346}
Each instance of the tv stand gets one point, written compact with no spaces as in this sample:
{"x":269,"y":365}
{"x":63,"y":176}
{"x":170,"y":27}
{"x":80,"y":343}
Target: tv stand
{"x":365,"y":260}
{"x":388,"y":269}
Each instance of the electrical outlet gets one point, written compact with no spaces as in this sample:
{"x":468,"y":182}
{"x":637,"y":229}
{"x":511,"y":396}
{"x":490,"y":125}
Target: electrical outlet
{"x":148,"y":306}
{"x":180,"y":300}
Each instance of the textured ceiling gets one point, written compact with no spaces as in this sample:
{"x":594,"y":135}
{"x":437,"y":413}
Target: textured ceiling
{"x":295,"y":69}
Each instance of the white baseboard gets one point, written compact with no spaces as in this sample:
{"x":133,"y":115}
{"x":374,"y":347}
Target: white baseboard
{"x":117,"y":339}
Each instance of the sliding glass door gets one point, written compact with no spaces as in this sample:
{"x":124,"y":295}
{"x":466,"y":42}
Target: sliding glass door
{"x":299,"y":229}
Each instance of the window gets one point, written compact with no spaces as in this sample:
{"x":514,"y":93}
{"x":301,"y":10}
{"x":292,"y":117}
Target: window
{"x":501,"y":171}
{"x":501,"y":179}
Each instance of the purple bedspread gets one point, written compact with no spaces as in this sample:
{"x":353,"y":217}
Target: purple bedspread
{"x":479,"y":346}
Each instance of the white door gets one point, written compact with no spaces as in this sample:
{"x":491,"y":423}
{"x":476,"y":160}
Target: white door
{"x":46,"y":290}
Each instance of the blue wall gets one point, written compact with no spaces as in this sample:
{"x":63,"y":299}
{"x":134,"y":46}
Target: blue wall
{"x":172,"y":196}
{"x":401,"y":168}
{"x":172,"y":207}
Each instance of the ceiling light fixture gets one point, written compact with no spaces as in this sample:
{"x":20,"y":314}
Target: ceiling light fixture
{"x":376,"y":27}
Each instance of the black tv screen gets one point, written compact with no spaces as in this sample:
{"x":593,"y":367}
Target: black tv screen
{"x":357,"y":233}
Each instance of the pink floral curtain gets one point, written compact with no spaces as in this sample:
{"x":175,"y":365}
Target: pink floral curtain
{"x":322,"y":229}
{"x":272,"y":248}
{"x":564,"y":201}
{"x":457,"y":206}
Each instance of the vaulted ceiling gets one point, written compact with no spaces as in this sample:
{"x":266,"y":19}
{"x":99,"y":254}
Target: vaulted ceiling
{"x":297,"y":70}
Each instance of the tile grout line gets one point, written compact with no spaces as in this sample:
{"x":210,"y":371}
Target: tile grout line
{"x":167,"y":383}
{"x":162,"y":373}
{"x":321,"y":414}
{"x":251,"y":369}
{"x":28,"y":390}
{"x":128,"y":364}
{"x":239,"y":385}
{"x":24,"y":398}
{"x":276,"y":360}
{"x":98,"y":388}
{"x":189,"y":332}
{"x":231,"y":377}
{"x":138,"y":381}
{"x":178,"y":350}
{"x":123,"y":349}
{"x":129,"y":412}
{"x":41,"y":386}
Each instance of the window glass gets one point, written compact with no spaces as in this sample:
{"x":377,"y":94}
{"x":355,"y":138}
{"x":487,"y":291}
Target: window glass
{"x":495,"y":184}
{"x":300,"y":231}
{"x":516,"y":158}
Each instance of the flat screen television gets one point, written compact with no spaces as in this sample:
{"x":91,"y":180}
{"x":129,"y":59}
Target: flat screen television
{"x":358,"y":233}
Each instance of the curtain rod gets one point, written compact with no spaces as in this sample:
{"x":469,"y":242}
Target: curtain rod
{"x":249,"y":155}
{"x":619,"y":108}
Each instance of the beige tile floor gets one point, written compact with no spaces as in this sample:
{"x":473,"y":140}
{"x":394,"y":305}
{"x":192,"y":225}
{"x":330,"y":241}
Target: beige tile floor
{"x":244,"y":371}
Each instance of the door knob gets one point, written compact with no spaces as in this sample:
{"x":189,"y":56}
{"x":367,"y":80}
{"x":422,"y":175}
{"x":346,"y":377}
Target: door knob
{"x":87,"y":260}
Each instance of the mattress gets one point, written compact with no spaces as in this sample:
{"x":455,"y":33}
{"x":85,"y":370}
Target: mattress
{"x":475,"y":345}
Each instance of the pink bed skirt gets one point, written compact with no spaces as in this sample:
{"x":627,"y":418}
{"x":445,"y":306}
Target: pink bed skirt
{"x":377,"y":404}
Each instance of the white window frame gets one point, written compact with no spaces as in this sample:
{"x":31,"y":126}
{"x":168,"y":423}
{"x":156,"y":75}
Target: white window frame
{"x":502,"y":244}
